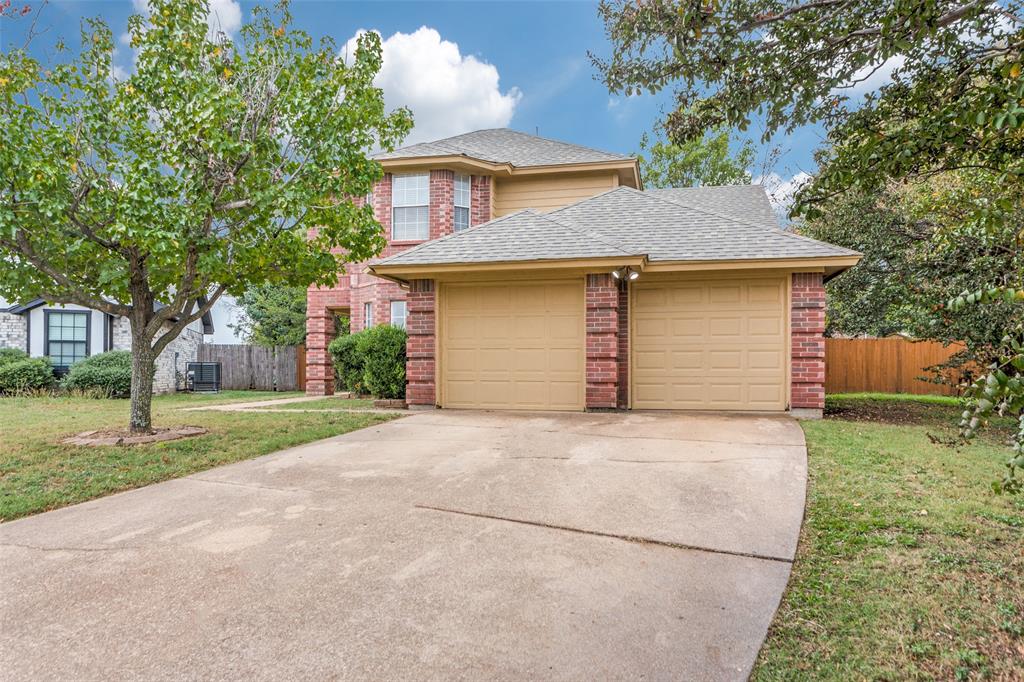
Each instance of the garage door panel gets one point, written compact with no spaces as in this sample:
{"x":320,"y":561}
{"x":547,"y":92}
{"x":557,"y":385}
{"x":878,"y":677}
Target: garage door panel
{"x":524,"y":349}
{"x":723,"y":346}
{"x":719,"y":294}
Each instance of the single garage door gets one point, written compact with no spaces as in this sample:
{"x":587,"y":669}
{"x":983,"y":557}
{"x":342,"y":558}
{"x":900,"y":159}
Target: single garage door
{"x":711,"y":344}
{"x":513,"y":346}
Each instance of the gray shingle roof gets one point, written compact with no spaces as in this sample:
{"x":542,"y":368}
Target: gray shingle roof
{"x":525,"y":235}
{"x":699,"y":224}
{"x":503,"y":145}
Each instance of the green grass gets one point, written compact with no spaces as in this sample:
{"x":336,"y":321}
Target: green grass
{"x":909,"y":567}
{"x":898,"y":398}
{"x":326,"y":404}
{"x":38,"y":474}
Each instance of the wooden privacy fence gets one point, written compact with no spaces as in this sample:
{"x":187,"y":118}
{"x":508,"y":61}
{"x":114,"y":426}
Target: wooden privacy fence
{"x":260,"y":368}
{"x":890,"y":365}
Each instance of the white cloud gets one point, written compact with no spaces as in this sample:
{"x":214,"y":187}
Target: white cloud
{"x":781,"y":191}
{"x":872,"y":76}
{"x":448,"y":92}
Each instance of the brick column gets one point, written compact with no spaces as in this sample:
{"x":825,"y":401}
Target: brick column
{"x":420,"y":386}
{"x":319,"y":334}
{"x":602,"y":298}
{"x":442,"y":203}
{"x":623,"y":347}
{"x":480,"y":199}
{"x":808,"y":353}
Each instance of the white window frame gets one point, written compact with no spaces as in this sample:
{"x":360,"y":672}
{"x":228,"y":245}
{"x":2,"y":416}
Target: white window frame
{"x":399,"y":319}
{"x":463,"y":199}
{"x":367,"y":315}
{"x":410,"y":207}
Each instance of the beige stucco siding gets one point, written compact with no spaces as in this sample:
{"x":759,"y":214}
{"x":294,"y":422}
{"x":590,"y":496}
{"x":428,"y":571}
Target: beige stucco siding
{"x":550,"y":191}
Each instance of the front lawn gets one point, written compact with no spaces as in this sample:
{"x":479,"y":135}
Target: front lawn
{"x":37,"y":474}
{"x":909,"y":567}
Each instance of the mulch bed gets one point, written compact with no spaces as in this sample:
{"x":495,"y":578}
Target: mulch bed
{"x":107,"y":437}
{"x":889,"y":412}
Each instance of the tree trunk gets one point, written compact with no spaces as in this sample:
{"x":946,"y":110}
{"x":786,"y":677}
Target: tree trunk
{"x":143,"y":366}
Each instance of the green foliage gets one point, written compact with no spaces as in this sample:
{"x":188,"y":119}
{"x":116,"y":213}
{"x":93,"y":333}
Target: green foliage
{"x":275,"y":315}
{"x":348,"y":361}
{"x":1000,"y":391}
{"x":372,"y":361}
{"x":914,"y":260}
{"x":383,"y":351}
{"x":199,"y":174}
{"x":956,"y":98}
{"x":24,"y":374}
{"x":705,"y":160}
{"x":9,"y":355}
{"x":108,"y":373}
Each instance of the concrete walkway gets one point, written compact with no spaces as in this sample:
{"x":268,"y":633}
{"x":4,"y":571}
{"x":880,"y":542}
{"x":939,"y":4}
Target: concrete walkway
{"x":445,"y":545}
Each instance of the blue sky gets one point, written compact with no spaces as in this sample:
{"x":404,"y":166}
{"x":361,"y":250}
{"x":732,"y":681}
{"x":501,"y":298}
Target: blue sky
{"x":458,"y":65}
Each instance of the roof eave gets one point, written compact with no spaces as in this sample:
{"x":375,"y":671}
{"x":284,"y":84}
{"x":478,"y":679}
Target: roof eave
{"x":829,"y":265}
{"x":629,"y":169}
{"x":402,"y":273}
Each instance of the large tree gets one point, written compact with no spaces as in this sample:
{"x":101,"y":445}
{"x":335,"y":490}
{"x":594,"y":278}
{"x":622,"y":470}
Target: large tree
{"x":199,"y":174}
{"x":953,"y":97}
{"x":706,"y":160}
{"x":273,"y":315}
{"x":913,"y":263}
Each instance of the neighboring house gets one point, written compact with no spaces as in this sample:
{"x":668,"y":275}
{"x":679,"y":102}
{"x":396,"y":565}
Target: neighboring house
{"x":534,"y":274}
{"x":68,"y":333}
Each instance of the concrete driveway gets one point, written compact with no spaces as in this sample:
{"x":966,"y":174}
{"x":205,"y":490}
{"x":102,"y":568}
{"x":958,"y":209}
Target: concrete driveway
{"x":445,"y":545}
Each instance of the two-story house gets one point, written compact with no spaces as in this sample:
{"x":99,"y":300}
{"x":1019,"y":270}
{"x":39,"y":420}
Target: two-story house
{"x":537,"y":274}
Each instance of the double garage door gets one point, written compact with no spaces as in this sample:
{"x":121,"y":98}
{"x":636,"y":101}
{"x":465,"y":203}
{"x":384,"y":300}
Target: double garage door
{"x":714,"y":344}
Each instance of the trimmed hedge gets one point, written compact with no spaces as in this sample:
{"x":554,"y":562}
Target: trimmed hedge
{"x":22,"y":373}
{"x":348,"y":362}
{"x":109,"y":373}
{"x":372,"y":360}
{"x":383,"y":352}
{"x":9,"y":355}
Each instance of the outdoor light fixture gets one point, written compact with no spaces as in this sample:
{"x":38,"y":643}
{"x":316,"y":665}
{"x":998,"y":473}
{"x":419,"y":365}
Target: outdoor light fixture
{"x":627,"y":273}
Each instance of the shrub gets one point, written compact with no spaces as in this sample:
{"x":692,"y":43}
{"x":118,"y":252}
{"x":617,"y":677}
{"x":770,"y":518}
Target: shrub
{"x":109,"y":373}
{"x":348,"y":362}
{"x":25,"y":374}
{"x":9,"y":355}
{"x":383,"y":351}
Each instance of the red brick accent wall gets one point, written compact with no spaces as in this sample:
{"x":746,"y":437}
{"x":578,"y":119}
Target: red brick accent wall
{"x":479,"y":199}
{"x":602,"y":299}
{"x":623,"y":344}
{"x":356,"y":286}
{"x":808,"y":341}
{"x":420,"y":382}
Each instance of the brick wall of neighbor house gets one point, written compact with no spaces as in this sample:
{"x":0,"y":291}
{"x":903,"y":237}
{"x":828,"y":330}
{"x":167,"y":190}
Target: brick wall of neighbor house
{"x":808,"y":353}
{"x":623,"y":346}
{"x":186,"y":345}
{"x":13,"y":331}
{"x":420,"y":365}
{"x":356,"y":286}
{"x":602,"y":301}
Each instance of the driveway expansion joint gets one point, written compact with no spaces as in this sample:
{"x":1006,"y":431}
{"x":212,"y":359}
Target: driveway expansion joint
{"x":614,"y":536}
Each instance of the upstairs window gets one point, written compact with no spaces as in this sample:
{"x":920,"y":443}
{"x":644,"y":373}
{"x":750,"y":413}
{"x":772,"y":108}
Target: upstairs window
{"x":398,"y":314}
{"x":410,"y":207}
{"x":461,"y":202}
{"x":67,"y":338}
{"x":367,"y":315}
